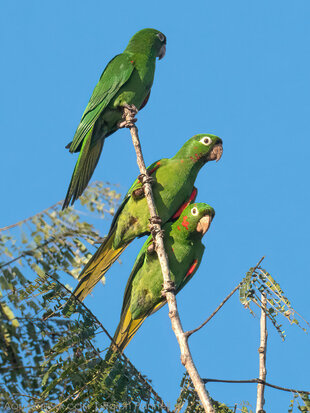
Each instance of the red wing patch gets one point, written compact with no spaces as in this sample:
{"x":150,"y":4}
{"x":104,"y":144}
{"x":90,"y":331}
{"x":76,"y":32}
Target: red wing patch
{"x":145,"y":101}
{"x":153,"y":170}
{"x":191,"y":268}
{"x":183,"y":206}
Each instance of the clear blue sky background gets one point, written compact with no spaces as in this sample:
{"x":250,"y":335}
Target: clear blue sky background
{"x":237,"y":69}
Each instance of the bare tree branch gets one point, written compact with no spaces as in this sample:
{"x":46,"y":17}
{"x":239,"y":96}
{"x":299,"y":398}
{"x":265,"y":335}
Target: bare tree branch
{"x":189,"y":333}
{"x":168,"y":285}
{"x":256,"y":381}
{"x":262,"y":356}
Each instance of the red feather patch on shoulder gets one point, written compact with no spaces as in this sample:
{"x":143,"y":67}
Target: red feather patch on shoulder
{"x":152,"y":170}
{"x":191,"y":268}
{"x":155,"y":168}
{"x":183,"y":206}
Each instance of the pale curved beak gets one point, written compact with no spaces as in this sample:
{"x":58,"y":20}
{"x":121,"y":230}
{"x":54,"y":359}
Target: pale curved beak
{"x":162,"y":52}
{"x":216,"y":153}
{"x":204,"y":224}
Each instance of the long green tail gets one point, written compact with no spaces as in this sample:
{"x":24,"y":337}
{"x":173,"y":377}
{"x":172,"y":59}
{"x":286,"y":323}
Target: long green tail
{"x":95,"y":269}
{"x":84,"y":168}
{"x":97,"y":266}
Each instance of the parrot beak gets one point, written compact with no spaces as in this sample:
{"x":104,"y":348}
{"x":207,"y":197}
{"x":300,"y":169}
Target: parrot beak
{"x":162,"y":52}
{"x":204,"y":224}
{"x":216,"y":153}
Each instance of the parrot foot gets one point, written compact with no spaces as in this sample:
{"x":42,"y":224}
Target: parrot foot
{"x":151,"y":248}
{"x":131,"y":108}
{"x":170,"y":288}
{"x":146,"y":179}
{"x":155,"y":220}
{"x":129,"y":112}
{"x":138,"y":193}
{"x":154,"y":230}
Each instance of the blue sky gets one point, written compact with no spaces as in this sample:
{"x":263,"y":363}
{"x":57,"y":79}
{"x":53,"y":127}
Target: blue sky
{"x":237,"y":69}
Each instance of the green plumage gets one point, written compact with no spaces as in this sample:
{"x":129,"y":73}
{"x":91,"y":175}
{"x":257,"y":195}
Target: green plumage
{"x":127,"y":80}
{"x":182,"y":240}
{"x":173,"y":187}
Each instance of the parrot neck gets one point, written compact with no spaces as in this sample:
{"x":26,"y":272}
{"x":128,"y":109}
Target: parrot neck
{"x":190,"y":163}
{"x":140,"y":50}
{"x":182,"y":230}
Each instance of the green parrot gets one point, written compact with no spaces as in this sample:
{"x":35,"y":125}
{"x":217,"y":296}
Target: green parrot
{"x":182,"y":240}
{"x":173,"y":190}
{"x":126,"y":81}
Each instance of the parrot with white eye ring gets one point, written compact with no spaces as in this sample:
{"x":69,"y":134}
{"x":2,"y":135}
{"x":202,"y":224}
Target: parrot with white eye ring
{"x":173,"y":189}
{"x":184,"y":248}
{"x":125,"y":82}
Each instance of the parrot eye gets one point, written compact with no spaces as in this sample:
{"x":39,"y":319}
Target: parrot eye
{"x":194,"y":211}
{"x":161,"y":37}
{"x":206,"y":140}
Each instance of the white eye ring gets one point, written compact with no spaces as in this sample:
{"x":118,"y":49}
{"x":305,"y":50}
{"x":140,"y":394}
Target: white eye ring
{"x":161,"y":37}
{"x":206,"y":140}
{"x":194,"y":211}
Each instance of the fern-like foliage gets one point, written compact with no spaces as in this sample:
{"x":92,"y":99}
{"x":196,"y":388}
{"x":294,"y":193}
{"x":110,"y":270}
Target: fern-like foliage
{"x":53,"y":364}
{"x":59,"y":366}
{"x":258,"y":281}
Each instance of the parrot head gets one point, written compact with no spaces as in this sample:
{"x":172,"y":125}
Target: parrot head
{"x":202,"y":147}
{"x":149,"y":41}
{"x":196,"y":219}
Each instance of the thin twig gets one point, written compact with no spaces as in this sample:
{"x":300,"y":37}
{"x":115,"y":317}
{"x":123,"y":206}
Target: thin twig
{"x":260,"y":401}
{"x":168,"y":286}
{"x":112,"y":340}
{"x":30,"y":218}
{"x":256,"y":381}
{"x":20,"y":368}
{"x":189,"y":333}
{"x":53,"y":238}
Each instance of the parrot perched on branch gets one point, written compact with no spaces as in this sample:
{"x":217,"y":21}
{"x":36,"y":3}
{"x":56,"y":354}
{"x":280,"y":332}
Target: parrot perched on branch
{"x":182,"y":240}
{"x":173,"y":189}
{"x":126,"y":81}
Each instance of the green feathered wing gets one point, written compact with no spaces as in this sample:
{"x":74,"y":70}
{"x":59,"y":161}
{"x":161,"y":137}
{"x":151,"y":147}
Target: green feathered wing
{"x":106,"y":254}
{"x":87,"y":139}
{"x":173,"y":190}
{"x":143,"y":290}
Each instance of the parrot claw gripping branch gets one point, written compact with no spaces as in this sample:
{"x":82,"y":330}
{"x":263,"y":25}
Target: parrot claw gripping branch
{"x":168,"y":290}
{"x":129,"y":113}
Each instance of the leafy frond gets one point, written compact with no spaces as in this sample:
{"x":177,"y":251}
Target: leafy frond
{"x":54,"y":364}
{"x":258,"y":281}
